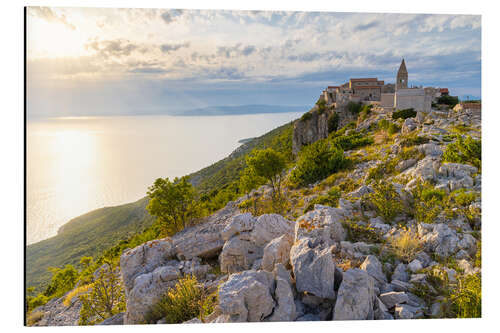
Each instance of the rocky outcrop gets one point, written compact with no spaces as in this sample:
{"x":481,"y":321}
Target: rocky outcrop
{"x":55,"y":313}
{"x":356,"y":296}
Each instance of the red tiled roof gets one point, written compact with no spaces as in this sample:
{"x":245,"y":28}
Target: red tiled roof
{"x":365,"y":79}
{"x":443,"y":90}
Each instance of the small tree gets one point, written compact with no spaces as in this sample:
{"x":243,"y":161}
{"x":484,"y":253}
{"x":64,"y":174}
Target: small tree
{"x":268,"y":164}
{"x":104,"y":298}
{"x":173,"y":203}
{"x":249,"y":181}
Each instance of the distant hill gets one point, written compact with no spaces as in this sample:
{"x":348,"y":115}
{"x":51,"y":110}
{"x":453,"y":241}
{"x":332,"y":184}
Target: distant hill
{"x":240,"y":110}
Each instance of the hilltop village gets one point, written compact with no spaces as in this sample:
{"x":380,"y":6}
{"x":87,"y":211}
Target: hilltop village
{"x":387,"y":97}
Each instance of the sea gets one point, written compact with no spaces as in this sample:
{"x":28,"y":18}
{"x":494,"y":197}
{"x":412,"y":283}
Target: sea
{"x":78,"y":164}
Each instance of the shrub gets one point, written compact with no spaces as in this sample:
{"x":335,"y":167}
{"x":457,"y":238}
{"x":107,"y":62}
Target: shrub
{"x":317,"y":161}
{"x":267,"y":164}
{"x":352,"y":141}
{"x":413,"y":140}
{"x":333,"y":122}
{"x":386,"y":200}
{"x":427,"y":202}
{"x":448,"y":100}
{"x":466,"y":299}
{"x":34,"y":302}
{"x":406,"y":245}
{"x":185,"y":301}
{"x":381,"y":170}
{"x":321,"y":105}
{"x":34,"y":318}
{"x":404,"y":114}
{"x":104,"y":297}
{"x":358,"y":232}
{"x":466,"y":150}
{"x":63,"y":280}
{"x":354,"y":108}
{"x":364,"y":112}
{"x":330,"y":199}
{"x":306,"y":116}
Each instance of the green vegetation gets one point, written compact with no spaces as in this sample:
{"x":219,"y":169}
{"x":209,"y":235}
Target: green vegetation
{"x":185,"y":301}
{"x":413,"y":140}
{"x":448,"y":100}
{"x":428,"y":202}
{"x":365,"y":112}
{"x":321,"y":104}
{"x":406,"y":245}
{"x":360,"y":232}
{"x":317,"y":161}
{"x":388,"y":126}
{"x":267,"y":164}
{"x":354,"y":108}
{"x":380,"y":171}
{"x":103,"y":298}
{"x":174,"y":204}
{"x":87,"y":235}
{"x":330,"y":199}
{"x":404,"y":114}
{"x":386,"y":200}
{"x":466,"y":150}
{"x":333,"y":122}
{"x":466,"y":299}
{"x":352,"y":141}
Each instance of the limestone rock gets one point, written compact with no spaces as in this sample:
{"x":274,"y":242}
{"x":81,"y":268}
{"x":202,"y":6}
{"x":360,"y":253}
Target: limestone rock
{"x":442,"y":240}
{"x":405,"y":311}
{"x":238,"y":224}
{"x":270,"y":226}
{"x":323,"y":223}
{"x":285,"y":309}
{"x":313,"y":268}
{"x":277,"y":251}
{"x":117,"y":319}
{"x":239,"y":254}
{"x":415,"y":266}
{"x":400,"y":273}
{"x":55,"y":313}
{"x":356,"y":296}
{"x":392,"y":298}
{"x":246,"y":296}
{"x":374,"y":268}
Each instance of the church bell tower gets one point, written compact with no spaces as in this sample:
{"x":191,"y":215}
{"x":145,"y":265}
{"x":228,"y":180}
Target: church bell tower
{"x":402,"y":77}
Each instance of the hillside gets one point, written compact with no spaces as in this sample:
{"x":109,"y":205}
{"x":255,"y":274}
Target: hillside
{"x":86,"y":235}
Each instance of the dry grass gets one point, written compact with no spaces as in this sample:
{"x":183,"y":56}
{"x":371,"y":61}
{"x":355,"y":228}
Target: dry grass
{"x":75,"y":292}
{"x":34,"y":318}
{"x":406,"y":245}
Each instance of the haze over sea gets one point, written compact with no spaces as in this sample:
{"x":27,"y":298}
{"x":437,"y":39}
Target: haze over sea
{"x":75,"y":165}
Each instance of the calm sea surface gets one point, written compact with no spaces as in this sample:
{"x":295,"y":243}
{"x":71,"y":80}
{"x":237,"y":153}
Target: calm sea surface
{"x":75,"y":165}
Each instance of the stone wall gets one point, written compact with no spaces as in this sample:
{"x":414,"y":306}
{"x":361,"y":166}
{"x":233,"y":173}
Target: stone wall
{"x":412,"y":98}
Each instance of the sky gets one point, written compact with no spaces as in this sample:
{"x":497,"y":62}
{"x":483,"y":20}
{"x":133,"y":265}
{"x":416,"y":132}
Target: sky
{"x":105,"y":61}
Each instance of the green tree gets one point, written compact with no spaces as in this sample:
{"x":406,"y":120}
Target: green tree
{"x":249,"y":181}
{"x":104,"y":298}
{"x":173,"y":203}
{"x":63,"y":280}
{"x":268,"y":164}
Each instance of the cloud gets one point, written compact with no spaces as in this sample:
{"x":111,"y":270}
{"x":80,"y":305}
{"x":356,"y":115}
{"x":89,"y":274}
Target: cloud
{"x":171,"y":15}
{"x":235,"y":50}
{"x":167,"y":48}
{"x":50,"y":16}
{"x":363,"y":27}
{"x":112,"y":48}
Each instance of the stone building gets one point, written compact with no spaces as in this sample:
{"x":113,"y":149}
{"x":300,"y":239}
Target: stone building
{"x":366,"y":89}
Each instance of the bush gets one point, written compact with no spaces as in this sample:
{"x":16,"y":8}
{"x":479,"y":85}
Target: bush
{"x":333,"y":122}
{"x":427,"y":202}
{"x":388,"y":126}
{"x":306,"y":116}
{"x":386,"y":200}
{"x":352,"y":141}
{"x":185,"y":301}
{"x":354,"y":108}
{"x":448,"y":100}
{"x":381,"y":170}
{"x":413,"y":140}
{"x":316,"y":162}
{"x":330,"y":199}
{"x":464,"y":151}
{"x":365,"y":112}
{"x":406,"y":245}
{"x":357,"y":232}
{"x":404,"y":114}
{"x":103,"y":298}
{"x":321,"y":105}
{"x":466,"y":299}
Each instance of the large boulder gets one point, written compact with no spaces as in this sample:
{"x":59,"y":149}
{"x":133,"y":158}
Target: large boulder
{"x":270,"y":226}
{"x":323,"y":223}
{"x":148,"y":289}
{"x":313,"y":268}
{"x":144,"y":259}
{"x":239,"y":254}
{"x":356,"y":296}
{"x":285,"y":309}
{"x":247,"y":296}
{"x":277,"y":251}
{"x":374,"y":268}
{"x":238,"y":224}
